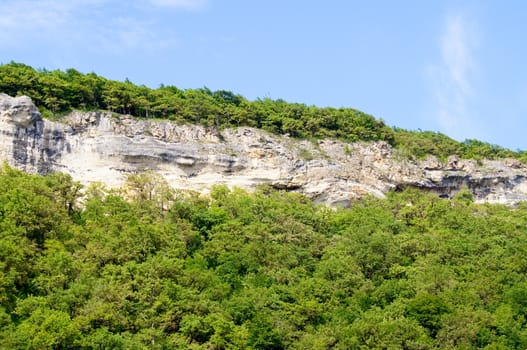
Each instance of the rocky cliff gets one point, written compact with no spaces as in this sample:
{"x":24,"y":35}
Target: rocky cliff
{"x":98,"y":146}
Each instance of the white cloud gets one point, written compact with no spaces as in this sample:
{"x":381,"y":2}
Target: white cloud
{"x":89,"y":25}
{"x":452,"y":78}
{"x":129,"y":34}
{"x":181,"y":4}
{"x":456,"y":52}
{"x":22,"y":17}
{"x":26,"y":22}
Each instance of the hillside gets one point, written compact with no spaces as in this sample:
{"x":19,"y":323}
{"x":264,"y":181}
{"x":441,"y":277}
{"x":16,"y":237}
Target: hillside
{"x":151,"y":268}
{"x":202,"y":222}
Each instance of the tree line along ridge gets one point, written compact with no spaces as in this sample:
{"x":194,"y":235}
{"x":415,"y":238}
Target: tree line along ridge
{"x":57,"y":92}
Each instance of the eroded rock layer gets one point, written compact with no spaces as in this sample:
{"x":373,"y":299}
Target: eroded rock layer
{"x":98,"y":146}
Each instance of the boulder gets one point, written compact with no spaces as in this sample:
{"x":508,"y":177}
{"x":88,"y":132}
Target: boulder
{"x":18,"y":110}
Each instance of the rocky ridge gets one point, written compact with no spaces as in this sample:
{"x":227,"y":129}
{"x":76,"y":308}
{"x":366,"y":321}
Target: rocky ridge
{"x":98,"y":146}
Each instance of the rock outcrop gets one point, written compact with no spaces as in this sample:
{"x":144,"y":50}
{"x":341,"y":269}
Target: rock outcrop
{"x":98,"y":146}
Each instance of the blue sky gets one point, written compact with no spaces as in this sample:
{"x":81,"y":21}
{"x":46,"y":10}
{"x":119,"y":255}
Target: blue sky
{"x":457,"y":67}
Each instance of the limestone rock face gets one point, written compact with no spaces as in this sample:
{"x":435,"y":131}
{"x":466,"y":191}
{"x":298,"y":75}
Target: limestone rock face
{"x":25,"y":141}
{"x":98,"y":146}
{"x":18,"y":110}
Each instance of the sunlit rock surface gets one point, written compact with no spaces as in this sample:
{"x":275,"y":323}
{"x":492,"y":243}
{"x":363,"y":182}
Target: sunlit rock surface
{"x":98,"y":146}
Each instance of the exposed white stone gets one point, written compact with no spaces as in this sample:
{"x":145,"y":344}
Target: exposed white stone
{"x":98,"y":146}
{"x":19,"y":111}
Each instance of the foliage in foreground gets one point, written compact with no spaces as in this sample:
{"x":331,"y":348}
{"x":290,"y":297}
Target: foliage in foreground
{"x":267,"y":270}
{"x":56,"y":92}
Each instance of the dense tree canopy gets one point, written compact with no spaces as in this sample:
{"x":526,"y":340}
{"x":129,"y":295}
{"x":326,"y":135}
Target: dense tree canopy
{"x":56,"y":92}
{"x":150,"y":268}
{"x":422,"y":143}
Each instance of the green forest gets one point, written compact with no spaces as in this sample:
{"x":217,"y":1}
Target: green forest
{"x":147,"y":267}
{"x":57,"y":92}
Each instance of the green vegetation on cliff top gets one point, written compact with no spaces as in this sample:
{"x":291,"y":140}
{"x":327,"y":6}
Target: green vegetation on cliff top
{"x":58,"y":92}
{"x":267,"y":270}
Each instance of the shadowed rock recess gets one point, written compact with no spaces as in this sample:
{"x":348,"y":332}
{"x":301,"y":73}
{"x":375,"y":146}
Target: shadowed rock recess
{"x":99,"y":146}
